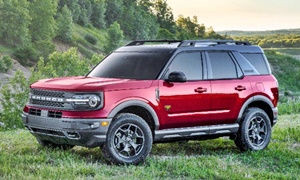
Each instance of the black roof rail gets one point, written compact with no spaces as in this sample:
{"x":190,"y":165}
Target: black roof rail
{"x":141,"y":42}
{"x":211,"y":42}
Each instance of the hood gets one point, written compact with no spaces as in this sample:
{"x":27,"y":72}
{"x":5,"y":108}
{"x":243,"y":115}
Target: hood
{"x":88,"y":84}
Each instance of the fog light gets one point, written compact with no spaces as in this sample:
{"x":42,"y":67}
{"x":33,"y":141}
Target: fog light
{"x":95,"y":125}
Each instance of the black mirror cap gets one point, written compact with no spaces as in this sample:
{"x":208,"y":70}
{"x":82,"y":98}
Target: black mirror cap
{"x":176,"y":76}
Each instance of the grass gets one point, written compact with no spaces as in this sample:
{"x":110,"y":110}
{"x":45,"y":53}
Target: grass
{"x":22,"y":158}
{"x":288,"y":51}
{"x":6,"y":50}
{"x":289,"y":107}
{"x":286,"y":70}
{"x":85,"y":47}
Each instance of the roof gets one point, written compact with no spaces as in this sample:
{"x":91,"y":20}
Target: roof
{"x":172,"y":45}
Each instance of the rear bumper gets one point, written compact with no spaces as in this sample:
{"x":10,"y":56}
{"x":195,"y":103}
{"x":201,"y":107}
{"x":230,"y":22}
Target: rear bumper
{"x":81,"y":132}
{"x":275,"y":115}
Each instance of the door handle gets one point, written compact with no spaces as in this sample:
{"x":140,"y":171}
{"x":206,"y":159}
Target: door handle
{"x":240,"y":88}
{"x":200,"y":90}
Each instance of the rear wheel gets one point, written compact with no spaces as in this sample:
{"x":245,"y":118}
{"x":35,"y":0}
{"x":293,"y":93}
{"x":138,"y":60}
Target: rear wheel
{"x":51,"y":145}
{"x":255,"y":130}
{"x":129,"y":140}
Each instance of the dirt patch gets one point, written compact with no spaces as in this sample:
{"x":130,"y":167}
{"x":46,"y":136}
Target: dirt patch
{"x":4,"y":77}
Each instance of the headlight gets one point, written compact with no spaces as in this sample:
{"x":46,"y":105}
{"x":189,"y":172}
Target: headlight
{"x":85,"y":101}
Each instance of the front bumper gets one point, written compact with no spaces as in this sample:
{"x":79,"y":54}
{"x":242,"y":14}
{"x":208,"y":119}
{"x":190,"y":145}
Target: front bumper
{"x":81,"y":132}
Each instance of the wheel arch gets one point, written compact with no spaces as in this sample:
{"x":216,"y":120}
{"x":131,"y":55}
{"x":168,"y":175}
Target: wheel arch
{"x":139,"y":108}
{"x":261,"y":102}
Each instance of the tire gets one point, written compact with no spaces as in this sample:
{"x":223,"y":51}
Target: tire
{"x":51,"y":145}
{"x":255,"y":130}
{"x":129,"y":140}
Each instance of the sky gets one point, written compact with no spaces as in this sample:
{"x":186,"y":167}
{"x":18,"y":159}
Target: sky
{"x":250,"y":15}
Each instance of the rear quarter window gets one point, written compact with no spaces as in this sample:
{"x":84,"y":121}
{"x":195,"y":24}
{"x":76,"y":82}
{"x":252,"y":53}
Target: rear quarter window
{"x":258,"y":61}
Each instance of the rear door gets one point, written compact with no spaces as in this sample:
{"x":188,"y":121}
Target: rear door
{"x":229,"y":87}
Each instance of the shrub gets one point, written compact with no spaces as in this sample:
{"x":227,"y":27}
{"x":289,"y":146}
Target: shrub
{"x":91,"y":39}
{"x":13,"y":98}
{"x":2,"y":66}
{"x":5,"y":64}
{"x":26,"y":54}
{"x":8,"y":62}
{"x":15,"y":94}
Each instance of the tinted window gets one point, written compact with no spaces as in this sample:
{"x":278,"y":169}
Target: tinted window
{"x":258,"y":61}
{"x":222,"y":65}
{"x":131,"y":65}
{"x":189,"y":63}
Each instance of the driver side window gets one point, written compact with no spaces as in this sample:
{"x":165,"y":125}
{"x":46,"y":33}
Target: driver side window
{"x":189,"y":63}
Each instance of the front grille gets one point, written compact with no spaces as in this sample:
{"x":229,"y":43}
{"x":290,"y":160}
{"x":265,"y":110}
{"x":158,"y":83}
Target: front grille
{"x":48,"y":93}
{"x":49,"y":99}
{"x":47,"y":103}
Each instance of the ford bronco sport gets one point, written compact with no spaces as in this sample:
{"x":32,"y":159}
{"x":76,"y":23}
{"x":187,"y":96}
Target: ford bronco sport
{"x":159,"y":91}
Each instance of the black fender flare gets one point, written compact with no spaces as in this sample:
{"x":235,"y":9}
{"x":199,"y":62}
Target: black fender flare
{"x":253,"y":99}
{"x":139,"y":103}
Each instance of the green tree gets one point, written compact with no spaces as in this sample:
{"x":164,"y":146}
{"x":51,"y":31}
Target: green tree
{"x":188,"y":28}
{"x":14,"y":22}
{"x":85,"y":12}
{"x":42,"y":12}
{"x":211,"y":34}
{"x":73,"y":6}
{"x":136,"y":22}
{"x":98,"y":14}
{"x":164,"y":15}
{"x":68,"y":63}
{"x":113,"y":9}
{"x":64,"y":25}
{"x":115,"y":37}
{"x":165,"y":34}
{"x":146,"y":5}
{"x":43,"y":25}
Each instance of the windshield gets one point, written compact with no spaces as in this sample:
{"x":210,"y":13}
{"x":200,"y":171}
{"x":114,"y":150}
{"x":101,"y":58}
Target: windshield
{"x":131,"y":65}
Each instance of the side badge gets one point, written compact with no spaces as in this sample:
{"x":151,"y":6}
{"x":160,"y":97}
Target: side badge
{"x":167,"y":107}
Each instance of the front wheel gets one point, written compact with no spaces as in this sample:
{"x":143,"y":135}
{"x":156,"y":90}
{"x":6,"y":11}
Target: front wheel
{"x":255,"y":130}
{"x":129,"y":140}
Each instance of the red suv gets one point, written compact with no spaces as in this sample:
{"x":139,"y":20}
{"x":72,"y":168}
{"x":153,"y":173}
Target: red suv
{"x":159,"y":91}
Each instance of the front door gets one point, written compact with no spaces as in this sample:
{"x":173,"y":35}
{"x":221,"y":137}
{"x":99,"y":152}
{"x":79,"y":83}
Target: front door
{"x":185,"y":104}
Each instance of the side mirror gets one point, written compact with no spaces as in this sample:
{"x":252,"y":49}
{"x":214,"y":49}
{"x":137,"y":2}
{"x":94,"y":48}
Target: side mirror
{"x":176,"y":76}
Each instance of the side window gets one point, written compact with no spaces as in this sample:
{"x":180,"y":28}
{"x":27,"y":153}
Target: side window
{"x":222,"y":65}
{"x":189,"y":63}
{"x":258,"y":61}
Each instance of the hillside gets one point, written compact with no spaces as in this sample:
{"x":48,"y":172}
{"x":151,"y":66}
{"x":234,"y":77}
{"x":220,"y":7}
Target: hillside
{"x":98,"y":27}
{"x":253,"y":33}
